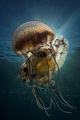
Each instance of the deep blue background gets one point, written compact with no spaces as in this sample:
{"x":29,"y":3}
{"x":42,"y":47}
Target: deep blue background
{"x":16,"y":99}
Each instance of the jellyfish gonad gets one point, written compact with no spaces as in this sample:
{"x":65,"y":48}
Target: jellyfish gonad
{"x":43,"y":56}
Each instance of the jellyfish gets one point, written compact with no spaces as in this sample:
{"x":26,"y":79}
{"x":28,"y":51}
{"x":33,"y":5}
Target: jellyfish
{"x":43,"y":56}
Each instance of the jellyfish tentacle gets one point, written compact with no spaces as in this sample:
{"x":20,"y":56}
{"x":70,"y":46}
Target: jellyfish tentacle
{"x":65,"y":102}
{"x":58,"y":104}
{"x":59,"y":89}
{"x":62,"y":102}
{"x":33,"y":90}
{"x":59,"y":99}
{"x":39,"y":104}
{"x":50,"y":88}
{"x":36,"y":96}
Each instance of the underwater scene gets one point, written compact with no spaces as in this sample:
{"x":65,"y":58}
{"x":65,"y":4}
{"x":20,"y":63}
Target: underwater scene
{"x":40,"y":60}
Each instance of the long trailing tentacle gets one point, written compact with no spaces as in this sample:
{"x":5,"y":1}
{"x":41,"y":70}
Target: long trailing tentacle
{"x":38,"y":99}
{"x":65,"y":102}
{"x":50,"y":87}
{"x":60,"y":100}
{"x":41,"y":105}
{"x":58,"y":104}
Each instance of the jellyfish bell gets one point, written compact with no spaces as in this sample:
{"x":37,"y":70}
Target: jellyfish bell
{"x":35,"y":41}
{"x":31,"y":36}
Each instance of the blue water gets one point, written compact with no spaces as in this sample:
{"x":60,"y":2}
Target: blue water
{"x":16,"y":99}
